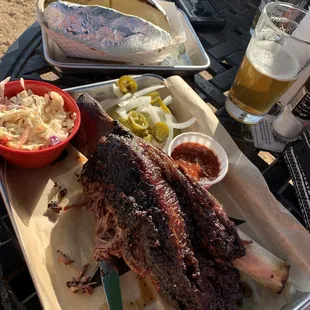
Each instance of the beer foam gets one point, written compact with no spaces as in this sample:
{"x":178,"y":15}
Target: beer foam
{"x":271,"y":59}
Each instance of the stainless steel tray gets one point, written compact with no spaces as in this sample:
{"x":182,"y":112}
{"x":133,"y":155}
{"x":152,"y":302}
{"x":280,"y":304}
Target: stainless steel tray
{"x":200,"y":60}
{"x":300,"y":300}
{"x":103,"y":90}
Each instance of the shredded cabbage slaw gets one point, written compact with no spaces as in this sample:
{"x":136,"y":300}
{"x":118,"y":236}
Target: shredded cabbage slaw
{"x":32,"y":122}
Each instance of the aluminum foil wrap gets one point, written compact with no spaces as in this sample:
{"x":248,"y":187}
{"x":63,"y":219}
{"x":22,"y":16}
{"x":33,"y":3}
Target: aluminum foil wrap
{"x":104,"y":28}
{"x":179,"y":57}
{"x":97,"y":32}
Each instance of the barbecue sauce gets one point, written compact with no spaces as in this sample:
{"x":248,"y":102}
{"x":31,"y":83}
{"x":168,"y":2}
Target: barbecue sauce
{"x":196,"y":160}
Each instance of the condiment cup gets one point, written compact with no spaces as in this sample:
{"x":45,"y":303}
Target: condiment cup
{"x":211,"y":144}
{"x":44,"y":157}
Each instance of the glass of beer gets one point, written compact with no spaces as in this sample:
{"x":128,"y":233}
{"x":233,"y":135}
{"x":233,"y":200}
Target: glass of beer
{"x":278,"y":52}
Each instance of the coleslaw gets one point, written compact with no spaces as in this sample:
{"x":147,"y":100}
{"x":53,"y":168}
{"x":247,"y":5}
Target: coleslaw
{"x":32,"y":122}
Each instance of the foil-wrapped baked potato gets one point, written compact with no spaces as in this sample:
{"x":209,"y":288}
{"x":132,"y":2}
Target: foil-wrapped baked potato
{"x":113,"y":26}
{"x":145,"y":9}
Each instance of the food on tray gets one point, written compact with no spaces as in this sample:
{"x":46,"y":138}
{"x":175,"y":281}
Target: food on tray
{"x":144,"y":112}
{"x":163,"y":224}
{"x":178,"y":57}
{"x":62,"y":258}
{"x":146,"y":9}
{"x":127,"y":84}
{"x":53,"y":205}
{"x":81,"y":283}
{"x":32,"y":122}
{"x":196,"y":160}
{"x":58,"y":194}
{"x":262,"y":266}
{"x":134,"y":32}
{"x":62,"y":194}
{"x":200,"y":157}
{"x":117,"y":26}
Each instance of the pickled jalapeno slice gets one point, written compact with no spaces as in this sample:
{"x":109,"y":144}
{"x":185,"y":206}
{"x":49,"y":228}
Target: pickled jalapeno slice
{"x":138,"y":121}
{"x":160,"y":132}
{"x":127,"y":84}
{"x":154,"y":96}
{"x":163,"y":106}
{"x":148,"y":138}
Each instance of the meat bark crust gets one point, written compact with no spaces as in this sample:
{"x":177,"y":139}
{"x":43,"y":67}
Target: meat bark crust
{"x":159,"y":228}
{"x":164,"y":225}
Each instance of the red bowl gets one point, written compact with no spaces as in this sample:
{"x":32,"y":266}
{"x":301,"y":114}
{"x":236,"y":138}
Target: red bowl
{"x":39,"y":158}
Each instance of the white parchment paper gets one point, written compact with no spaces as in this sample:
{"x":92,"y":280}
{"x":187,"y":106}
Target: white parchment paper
{"x":243,"y":193}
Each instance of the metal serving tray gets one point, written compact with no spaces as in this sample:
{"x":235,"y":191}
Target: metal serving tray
{"x":300,"y":300}
{"x":200,"y":60}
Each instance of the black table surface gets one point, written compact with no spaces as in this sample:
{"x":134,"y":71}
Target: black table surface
{"x":225,"y":48}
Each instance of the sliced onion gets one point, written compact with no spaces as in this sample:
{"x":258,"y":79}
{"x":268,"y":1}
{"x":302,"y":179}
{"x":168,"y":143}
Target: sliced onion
{"x":167,"y":100}
{"x":142,"y":103}
{"x":141,"y":93}
{"x":124,"y":103}
{"x":122,"y":111}
{"x":22,"y":83}
{"x":147,"y":109}
{"x":110,"y":103}
{"x":170,"y":136}
{"x":117,"y":91}
{"x":184,"y":124}
{"x":136,"y":103}
{"x":144,"y":109}
{"x":2,"y":85}
{"x":152,"y":112}
{"x":147,"y":90}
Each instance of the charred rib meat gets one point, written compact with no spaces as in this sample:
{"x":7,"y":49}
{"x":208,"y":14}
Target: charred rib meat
{"x":164,"y":225}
